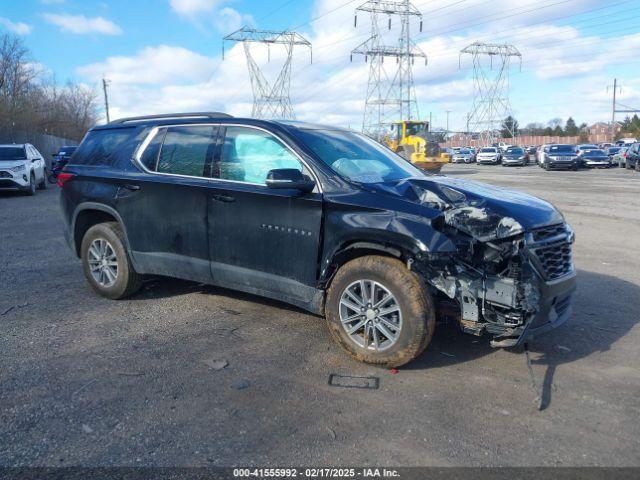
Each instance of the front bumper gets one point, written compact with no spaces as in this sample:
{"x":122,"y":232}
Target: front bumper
{"x":560,"y":164}
{"x":589,"y":164}
{"x":488,"y":161}
{"x":13,"y":181}
{"x":555,"y":309}
{"x":514,"y":162}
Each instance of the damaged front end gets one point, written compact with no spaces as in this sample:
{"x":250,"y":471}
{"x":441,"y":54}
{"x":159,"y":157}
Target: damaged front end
{"x":510,"y":276}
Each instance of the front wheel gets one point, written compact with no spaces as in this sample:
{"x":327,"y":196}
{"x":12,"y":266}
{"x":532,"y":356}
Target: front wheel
{"x":52,"y":177}
{"x":106,"y":264}
{"x":31,"y":188}
{"x":379,"y":311}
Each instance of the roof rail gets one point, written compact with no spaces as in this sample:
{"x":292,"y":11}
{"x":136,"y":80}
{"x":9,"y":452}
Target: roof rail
{"x":170,"y":116}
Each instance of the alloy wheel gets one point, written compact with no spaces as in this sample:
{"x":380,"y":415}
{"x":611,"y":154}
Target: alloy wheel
{"x":370,"y":314}
{"x":103,"y":262}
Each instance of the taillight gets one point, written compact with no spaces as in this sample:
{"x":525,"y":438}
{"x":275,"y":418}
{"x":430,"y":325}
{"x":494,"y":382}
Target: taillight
{"x":64,"y":177}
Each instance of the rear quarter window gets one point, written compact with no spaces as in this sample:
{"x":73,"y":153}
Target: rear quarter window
{"x":104,"y":147}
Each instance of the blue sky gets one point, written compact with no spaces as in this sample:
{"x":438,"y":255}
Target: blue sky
{"x":163,"y":55}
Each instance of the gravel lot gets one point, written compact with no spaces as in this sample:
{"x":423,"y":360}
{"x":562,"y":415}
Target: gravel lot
{"x":88,"y":381}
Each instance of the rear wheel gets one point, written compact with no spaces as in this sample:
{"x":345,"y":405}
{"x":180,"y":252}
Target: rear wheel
{"x":379,"y":311}
{"x":43,"y":184}
{"x":31,"y":188}
{"x":106,"y":264}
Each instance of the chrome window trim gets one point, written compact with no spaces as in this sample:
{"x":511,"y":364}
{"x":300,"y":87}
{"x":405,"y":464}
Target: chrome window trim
{"x":154,"y":131}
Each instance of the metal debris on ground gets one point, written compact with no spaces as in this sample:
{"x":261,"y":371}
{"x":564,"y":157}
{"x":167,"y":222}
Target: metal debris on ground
{"x":353,"y":381}
{"x":215,"y":363}
{"x":240,"y":384}
{"x":538,"y":399}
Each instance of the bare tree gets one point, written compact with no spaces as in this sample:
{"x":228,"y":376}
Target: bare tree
{"x":32,"y":103}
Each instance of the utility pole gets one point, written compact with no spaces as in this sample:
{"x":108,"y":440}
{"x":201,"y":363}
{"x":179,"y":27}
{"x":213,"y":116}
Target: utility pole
{"x":613,"y":110}
{"x":106,"y":82}
{"x":447,"y":132}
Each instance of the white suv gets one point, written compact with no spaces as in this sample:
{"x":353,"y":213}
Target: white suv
{"x":22,"y":168}
{"x":488,"y":155}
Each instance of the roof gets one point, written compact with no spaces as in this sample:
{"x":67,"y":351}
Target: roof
{"x":205,"y":117}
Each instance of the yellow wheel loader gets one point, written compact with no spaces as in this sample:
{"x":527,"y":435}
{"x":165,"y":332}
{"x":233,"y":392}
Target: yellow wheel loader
{"x":413,"y":141}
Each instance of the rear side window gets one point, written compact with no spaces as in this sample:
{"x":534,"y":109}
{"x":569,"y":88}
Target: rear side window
{"x":186,"y":150}
{"x":101,"y":147}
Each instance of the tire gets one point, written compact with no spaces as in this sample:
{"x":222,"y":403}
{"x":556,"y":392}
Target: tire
{"x":637,"y":166}
{"x":127,"y":280}
{"x":405,"y":152}
{"x":627,"y":166}
{"x":416,"y":313}
{"x":31,"y":188}
{"x":43,"y":183}
{"x":546,"y":166}
{"x":52,"y":178}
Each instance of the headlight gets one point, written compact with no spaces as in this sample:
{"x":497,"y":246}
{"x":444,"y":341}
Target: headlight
{"x":521,"y":158}
{"x":19,"y":168}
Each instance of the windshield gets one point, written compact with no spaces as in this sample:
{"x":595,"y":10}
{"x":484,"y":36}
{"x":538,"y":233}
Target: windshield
{"x":12,"y":153}
{"x":596,"y":153}
{"x":488,"y":150}
{"x":464,"y":151}
{"x":515,"y":151}
{"x":415,"y":128}
{"x":561,"y":149}
{"x":357,"y":157}
{"x":66,"y":151}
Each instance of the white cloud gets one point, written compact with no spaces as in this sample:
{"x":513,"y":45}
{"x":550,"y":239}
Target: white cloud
{"x":19,"y":28}
{"x":564,"y":70}
{"x":229,"y":20}
{"x":193,"y":8}
{"x":153,"y":66}
{"x":81,"y":25}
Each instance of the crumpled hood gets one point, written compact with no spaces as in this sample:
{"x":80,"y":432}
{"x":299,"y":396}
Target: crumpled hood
{"x":483,"y":211}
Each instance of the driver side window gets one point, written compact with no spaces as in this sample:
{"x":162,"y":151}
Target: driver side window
{"x":248,"y":154}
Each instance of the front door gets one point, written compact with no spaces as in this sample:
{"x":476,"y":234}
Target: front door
{"x":262,"y":240}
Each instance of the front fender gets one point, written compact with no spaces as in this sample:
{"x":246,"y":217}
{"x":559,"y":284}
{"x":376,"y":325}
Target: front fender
{"x":409,"y":235}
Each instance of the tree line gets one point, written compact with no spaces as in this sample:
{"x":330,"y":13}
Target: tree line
{"x":555,"y":127}
{"x":31,"y":101}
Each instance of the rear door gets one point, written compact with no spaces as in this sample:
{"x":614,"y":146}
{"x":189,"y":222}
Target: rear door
{"x":165,"y":211}
{"x":262,"y":240}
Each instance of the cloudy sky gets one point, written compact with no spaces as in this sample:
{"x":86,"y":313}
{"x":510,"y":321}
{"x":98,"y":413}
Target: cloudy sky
{"x":165,"y":55}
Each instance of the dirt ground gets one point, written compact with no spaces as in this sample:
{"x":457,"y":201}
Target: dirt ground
{"x":89,"y":381}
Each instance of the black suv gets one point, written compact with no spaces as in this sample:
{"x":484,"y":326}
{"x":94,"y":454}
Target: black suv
{"x":320,"y":217}
{"x":632,"y":157}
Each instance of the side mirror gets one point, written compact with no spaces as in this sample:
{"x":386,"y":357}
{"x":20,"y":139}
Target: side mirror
{"x":289,"y":178}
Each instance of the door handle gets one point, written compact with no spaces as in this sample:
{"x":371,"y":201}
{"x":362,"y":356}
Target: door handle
{"x":131,"y":187}
{"x":223,"y":198}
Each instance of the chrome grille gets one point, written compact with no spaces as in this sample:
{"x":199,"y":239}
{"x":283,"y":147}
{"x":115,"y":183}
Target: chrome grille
{"x":544,"y":233}
{"x":551,"y":247}
{"x":555,"y":259}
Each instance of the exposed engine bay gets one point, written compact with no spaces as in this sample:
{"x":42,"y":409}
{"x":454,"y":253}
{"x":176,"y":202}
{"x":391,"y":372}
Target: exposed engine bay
{"x":506,"y":278}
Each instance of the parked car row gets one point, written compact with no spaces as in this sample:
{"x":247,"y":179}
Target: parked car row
{"x":553,"y":156}
{"x":23,"y":168}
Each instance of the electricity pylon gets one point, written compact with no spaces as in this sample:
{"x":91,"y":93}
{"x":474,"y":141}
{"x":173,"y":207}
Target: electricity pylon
{"x":391,"y":94}
{"x":491,"y":88}
{"x":269,"y":101}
